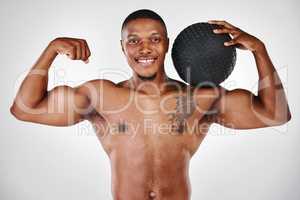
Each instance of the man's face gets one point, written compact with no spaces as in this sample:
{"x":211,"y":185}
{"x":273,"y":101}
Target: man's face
{"x":145,"y":44}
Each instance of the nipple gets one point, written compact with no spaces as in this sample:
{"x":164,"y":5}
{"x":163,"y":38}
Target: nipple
{"x":152,"y":194}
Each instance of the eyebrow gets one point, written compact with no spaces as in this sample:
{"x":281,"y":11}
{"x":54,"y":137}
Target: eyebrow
{"x":136,"y":35}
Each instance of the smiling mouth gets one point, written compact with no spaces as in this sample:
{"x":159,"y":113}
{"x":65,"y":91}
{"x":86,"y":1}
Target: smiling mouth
{"x":145,"y":61}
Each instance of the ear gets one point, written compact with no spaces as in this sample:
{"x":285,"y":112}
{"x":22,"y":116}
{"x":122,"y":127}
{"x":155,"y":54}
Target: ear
{"x":121,"y":42}
{"x":167,"y":45}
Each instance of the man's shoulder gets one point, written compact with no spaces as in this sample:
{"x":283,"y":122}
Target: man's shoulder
{"x":96,"y":85}
{"x":196,"y":90}
{"x":123,"y":84}
{"x":100,"y":81}
{"x":207,"y":91}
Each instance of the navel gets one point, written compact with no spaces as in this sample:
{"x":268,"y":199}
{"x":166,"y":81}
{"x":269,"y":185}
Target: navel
{"x":152,"y":194}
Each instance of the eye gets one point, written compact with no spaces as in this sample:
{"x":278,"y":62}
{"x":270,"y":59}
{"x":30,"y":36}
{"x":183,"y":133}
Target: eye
{"x":155,"y":39}
{"x":133,"y":41}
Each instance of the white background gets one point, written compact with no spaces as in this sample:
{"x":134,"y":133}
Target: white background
{"x":39,"y":162}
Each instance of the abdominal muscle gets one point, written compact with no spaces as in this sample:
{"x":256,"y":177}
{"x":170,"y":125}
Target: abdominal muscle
{"x":149,"y":174}
{"x":147,"y":164}
{"x":150,"y":166}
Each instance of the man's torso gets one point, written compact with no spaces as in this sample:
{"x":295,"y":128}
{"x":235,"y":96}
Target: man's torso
{"x":150,"y":140}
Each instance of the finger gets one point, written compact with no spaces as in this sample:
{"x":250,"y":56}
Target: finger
{"x":78,"y":51}
{"x":231,"y":42}
{"x":222,"y":31}
{"x":88,"y":52}
{"x":233,"y":32}
{"x":83,"y":51}
{"x":221,"y":23}
{"x":76,"y":44}
{"x":86,"y":61}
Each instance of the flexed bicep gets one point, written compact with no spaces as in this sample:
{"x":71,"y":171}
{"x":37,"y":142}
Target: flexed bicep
{"x":241,"y":109}
{"x":62,"y":106}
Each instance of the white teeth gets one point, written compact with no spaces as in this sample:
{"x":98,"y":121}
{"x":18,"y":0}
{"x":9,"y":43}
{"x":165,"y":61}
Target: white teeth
{"x":146,"y":60}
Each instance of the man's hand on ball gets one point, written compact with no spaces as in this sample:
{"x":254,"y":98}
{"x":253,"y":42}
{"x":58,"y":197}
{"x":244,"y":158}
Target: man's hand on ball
{"x":75,"y":49}
{"x":240,"y":38}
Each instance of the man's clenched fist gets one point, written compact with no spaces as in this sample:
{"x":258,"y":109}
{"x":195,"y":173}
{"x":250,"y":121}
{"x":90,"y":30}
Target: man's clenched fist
{"x":75,"y":49}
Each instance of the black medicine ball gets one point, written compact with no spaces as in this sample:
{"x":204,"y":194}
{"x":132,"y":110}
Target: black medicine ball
{"x":200,"y":57}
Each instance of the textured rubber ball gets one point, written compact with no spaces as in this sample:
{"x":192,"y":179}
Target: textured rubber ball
{"x":200,"y":57}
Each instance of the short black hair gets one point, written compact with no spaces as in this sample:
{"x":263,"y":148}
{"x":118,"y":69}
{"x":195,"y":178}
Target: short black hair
{"x":143,"y":13}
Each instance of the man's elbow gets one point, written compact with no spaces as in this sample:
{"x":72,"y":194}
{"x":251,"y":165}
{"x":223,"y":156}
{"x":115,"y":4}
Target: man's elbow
{"x":281,"y":119}
{"x":286,"y":115}
{"x":14,"y":111}
{"x":17,"y":113}
{"x":287,"y":118}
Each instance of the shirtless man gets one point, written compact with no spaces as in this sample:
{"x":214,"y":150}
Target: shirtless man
{"x":150,"y":125}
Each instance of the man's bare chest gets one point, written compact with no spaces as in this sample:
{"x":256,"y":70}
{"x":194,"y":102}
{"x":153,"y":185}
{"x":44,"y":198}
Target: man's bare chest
{"x":174,"y":121}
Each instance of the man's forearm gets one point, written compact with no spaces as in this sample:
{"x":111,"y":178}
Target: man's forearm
{"x":270,"y":90}
{"x":34,"y":86}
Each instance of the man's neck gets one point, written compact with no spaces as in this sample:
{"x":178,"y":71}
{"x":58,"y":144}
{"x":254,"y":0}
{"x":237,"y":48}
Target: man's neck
{"x":156,"y":86}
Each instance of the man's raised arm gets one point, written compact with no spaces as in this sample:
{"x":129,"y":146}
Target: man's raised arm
{"x":242,"y":109}
{"x":62,"y":105}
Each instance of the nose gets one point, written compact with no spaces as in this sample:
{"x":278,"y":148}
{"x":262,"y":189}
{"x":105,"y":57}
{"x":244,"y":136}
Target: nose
{"x":145,"y":48}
